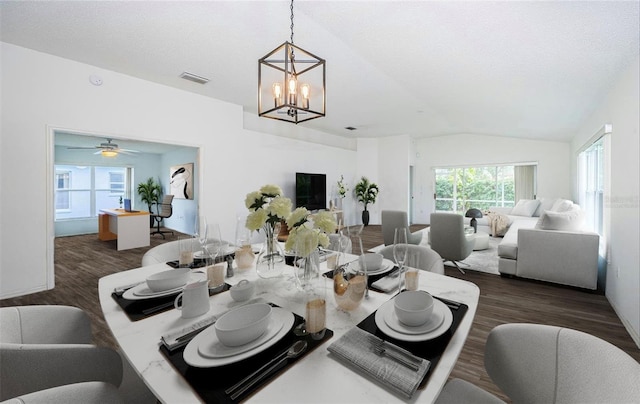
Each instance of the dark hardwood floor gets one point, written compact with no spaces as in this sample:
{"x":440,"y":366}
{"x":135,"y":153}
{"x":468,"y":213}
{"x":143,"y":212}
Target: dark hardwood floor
{"x":81,"y":260}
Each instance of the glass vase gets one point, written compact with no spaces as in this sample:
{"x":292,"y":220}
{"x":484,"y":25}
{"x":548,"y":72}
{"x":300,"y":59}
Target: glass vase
{"x":306,"y":269}
{"x":270,"y":262}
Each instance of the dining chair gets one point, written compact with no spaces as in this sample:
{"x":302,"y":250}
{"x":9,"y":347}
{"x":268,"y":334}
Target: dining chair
{"x":43,"y":347}
{"x":164,"y":210}
{"x":392,"y":219}
{"x":548,"y":364}
{"x":428,"y":260}
{"x":448,"y":238}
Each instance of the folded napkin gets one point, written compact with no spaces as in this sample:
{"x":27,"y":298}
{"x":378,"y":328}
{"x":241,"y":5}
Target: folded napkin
{"x":387,"y":284}
{"x":356,"y":348}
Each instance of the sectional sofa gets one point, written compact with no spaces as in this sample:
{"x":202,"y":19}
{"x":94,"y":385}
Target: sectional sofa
{"x":545,"y":241}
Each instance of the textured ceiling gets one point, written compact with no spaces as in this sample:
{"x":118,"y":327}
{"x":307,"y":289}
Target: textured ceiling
{"x":521,"y":69}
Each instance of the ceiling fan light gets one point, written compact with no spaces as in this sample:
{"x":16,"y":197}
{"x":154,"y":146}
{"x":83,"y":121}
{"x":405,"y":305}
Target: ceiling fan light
{"x":109,"y":153}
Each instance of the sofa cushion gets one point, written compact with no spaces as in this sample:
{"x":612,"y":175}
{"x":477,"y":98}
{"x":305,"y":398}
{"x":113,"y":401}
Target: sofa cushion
{"x":525,"y":207}
{"x":561,"y":205}
{"x":545,"y":204}
{"x":571,"y":220}
{"x":508,"y":247}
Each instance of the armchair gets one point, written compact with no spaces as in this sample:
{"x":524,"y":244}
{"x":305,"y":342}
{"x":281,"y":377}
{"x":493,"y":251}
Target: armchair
{"x":428,"y":260}
{"x":448,"y":238}
{"x":43,"y":347}
{"x":163,"y":210}
{"x":392,"y":219}
{"x":547,"y":364}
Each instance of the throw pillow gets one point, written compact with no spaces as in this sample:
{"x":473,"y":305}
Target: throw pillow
{"x":545,"y":204}
{"x":525,"y":207}
{"x":561,"y":205}
{"x":571,"y":220}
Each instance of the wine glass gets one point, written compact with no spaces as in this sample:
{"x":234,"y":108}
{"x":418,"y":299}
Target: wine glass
{"x":350,"y":280}
{"x":400,"y":252}
{"x":201,"y":233}
{"x":214,"y":246}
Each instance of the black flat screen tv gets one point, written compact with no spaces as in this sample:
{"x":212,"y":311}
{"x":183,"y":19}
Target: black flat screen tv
{"x":311,"y":191}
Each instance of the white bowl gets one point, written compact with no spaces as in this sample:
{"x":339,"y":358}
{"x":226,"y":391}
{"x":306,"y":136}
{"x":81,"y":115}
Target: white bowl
{"x":242,"y":291}
{"x":373,"y":261}
{"x":170,"y":279}
{"x":413,"y":308}
{"x":243,"y":325}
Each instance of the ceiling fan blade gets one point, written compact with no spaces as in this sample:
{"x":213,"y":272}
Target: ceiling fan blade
{"x":128,"y":151}
{"x":83,"y":148}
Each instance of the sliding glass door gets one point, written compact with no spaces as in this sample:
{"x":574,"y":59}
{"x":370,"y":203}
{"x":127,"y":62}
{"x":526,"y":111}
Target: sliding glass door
{"x":458,"y":189}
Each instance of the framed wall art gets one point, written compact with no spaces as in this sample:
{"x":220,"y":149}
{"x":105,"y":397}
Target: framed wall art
{"x":181,"y":181}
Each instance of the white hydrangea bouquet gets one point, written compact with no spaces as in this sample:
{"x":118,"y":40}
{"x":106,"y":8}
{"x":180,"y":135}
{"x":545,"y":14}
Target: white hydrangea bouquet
{"x":308,"y":232}
{"x":267,"y":209}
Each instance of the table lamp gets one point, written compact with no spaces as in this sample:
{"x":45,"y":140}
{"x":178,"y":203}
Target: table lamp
{"x":474,"y":214}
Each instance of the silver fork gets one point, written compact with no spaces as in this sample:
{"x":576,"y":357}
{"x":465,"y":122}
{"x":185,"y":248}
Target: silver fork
{"x":379,"y":349}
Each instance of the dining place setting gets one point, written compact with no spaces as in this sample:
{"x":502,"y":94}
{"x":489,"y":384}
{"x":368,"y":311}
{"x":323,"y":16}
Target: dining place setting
{"x":230,"y":330}
{"x":249,"y":344}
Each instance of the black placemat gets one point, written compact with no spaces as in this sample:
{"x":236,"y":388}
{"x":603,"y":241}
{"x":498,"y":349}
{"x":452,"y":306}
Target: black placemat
{"x":431,"y":350}
{"x":139,"y":309}
{"x":210,"y":383}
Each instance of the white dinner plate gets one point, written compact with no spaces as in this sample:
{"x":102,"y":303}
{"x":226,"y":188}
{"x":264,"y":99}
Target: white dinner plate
{"x":436,"y":319}
{"x":193,"y":357}
{"x":386,"y":266}
{"x":142,"y":292}
{"x":211,"y":347}
{"x":201,"y":254}
{"x":384,"y":327}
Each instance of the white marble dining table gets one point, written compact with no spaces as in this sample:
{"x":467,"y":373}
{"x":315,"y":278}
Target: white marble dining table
{"x":316,"y":378}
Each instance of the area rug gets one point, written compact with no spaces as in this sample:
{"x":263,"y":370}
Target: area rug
{"x":482,"y":260}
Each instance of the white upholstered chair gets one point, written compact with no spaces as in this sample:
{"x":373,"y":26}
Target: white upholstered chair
{"x":340,"y":242}
{"x":44,"y":347}
{"x":447,"y":237}
{"x":427,"y":259}
{"x":392,"y":219}
{"x":534,"y":363}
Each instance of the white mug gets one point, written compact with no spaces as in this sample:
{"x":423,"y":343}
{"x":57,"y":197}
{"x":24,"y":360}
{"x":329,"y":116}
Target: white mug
{"x":195,"y":299}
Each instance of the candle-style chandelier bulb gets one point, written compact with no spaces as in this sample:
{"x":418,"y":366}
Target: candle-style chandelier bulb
{"x":277,"y":93}
{"x":293,"y":89}
{"x":305,"y":89}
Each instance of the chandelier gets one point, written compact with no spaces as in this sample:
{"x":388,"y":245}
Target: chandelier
{"x":291,"y":83}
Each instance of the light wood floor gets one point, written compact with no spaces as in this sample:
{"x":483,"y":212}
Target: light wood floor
{"x":81,"y":260}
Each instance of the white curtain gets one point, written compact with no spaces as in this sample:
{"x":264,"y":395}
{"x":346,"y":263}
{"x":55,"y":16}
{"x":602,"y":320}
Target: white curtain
{"x":524,"y":179}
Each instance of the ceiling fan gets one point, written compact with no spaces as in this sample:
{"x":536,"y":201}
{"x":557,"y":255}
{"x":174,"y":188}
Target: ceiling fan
{"x":107,"y":149}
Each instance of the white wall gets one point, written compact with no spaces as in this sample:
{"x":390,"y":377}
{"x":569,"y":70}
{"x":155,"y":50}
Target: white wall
{"x":621,"y":109}
{"x":41,"y":91}
{"x":553,"y":158}
{"x":394,"y":173}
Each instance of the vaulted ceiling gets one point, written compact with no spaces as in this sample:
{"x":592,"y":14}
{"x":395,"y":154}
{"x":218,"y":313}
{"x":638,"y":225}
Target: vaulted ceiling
{"x":421,"y":68}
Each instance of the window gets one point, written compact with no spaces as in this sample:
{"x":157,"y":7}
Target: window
{"x":591,"y":171}
{"x":92,"y":189}
{"x":62,"y":189}
{"x":461,"y":188}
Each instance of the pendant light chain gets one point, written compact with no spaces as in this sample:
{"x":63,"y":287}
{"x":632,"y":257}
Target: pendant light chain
{"x":292,"y":21}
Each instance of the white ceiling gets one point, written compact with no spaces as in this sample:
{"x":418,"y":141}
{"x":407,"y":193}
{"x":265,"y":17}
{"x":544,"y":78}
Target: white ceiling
{"x":521,"y":69}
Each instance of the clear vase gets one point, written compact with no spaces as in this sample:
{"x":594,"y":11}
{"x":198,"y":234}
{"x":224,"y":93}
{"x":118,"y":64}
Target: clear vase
{"x":307,"y":269}
{"x":270,"y":263}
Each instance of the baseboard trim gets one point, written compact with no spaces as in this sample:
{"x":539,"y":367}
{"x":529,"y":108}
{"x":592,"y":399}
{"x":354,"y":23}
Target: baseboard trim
{"x":634,"y":335}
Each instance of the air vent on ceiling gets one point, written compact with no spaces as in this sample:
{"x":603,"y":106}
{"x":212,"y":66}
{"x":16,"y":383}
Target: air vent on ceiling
{"x":194,"y":77}
{"x":350,"y":128}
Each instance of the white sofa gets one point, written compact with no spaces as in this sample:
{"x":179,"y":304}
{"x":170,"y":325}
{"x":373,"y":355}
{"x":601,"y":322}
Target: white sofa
{"x":551,"y":246}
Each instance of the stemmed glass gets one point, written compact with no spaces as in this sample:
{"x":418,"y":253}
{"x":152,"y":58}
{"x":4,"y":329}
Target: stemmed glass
{"x":201,"y":229}
{"x":215,"y":245}
{"x":400,"y":252}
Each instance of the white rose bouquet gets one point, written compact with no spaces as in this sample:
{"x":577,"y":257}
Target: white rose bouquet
{"x":307,"y":233}
{"x":268,"y":208}
{"x":342,"y":187}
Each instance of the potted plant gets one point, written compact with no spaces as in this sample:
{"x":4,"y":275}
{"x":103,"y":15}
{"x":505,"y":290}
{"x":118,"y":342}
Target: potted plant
{"x":366,"y":192}
{"x":150,"y":192}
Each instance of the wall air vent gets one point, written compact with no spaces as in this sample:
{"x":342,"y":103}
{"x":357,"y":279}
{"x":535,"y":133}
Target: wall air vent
{"x":194,"y":77}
